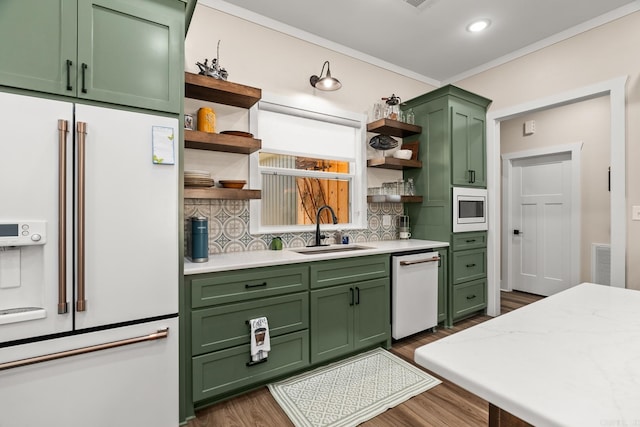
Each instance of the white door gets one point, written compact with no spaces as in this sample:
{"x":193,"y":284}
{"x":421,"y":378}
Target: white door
{"x":131,"y":219}
{"x":541,"y":219}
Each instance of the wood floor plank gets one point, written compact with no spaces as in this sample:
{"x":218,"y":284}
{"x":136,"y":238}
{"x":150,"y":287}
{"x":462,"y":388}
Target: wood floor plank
{"x":444,"y":405}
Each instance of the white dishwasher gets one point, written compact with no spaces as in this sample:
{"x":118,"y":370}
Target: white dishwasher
{"x":414,"y":293}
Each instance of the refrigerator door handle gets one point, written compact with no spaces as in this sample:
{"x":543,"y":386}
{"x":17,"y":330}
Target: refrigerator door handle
{"x":159,"y":334}
{"x":81,"y":302}
{"x":63,"y":306}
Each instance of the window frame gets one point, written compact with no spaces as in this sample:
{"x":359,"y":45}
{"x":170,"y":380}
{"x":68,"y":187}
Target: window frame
{"x":309,"y":109}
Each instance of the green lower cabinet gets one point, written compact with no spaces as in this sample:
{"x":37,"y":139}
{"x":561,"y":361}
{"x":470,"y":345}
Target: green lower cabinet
{"x":331,"y":322}
{"x":469,"y":297}
{"x":285,"y":314}
{"x":469,"y":265}
{"x":471,"y":240}
{"x":372,"y":313}
{"x":228,"y":371}
{"x":349,"y":317}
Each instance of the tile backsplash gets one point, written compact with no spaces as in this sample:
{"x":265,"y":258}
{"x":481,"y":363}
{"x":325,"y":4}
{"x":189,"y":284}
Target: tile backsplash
{"x":229,"y":226}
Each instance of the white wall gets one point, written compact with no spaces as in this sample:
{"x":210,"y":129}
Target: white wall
{"x":600,"y":54}
{"x":281,"y":65}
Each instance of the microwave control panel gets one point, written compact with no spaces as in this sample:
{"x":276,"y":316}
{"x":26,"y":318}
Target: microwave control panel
{"x":23,"y":233}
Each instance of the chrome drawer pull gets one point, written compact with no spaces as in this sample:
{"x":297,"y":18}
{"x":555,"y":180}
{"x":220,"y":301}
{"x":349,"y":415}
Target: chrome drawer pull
{"x":420,"y":261}
{"x":256,"y":285}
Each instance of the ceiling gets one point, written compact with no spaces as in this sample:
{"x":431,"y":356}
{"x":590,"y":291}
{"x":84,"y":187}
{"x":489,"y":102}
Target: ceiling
{"x":430,"y":41}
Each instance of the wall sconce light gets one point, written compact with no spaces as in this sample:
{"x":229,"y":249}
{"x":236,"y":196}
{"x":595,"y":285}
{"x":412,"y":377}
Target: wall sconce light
{"x":327,"y":82}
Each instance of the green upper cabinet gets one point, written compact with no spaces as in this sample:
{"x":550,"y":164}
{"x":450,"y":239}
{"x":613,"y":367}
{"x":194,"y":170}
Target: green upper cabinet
{"x":468,"y":146}
{"x":115,"y":51}
{"x":36,"y":40}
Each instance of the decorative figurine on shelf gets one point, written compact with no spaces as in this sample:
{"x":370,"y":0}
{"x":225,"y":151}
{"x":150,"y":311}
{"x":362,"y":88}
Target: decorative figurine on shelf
{"x":393,"y":107}
{"x":214,"y":70}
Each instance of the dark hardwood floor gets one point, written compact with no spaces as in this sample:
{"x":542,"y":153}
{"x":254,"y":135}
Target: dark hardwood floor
{"x":443,"y":405}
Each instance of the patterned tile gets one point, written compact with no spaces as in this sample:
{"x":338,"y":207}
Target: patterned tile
{"x":229,"y":226}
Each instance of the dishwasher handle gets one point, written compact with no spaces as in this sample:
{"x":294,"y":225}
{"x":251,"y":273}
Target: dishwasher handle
{"x":420,"y":261}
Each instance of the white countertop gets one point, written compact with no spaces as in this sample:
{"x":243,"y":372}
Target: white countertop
{"x":249,"y":259}
{"x":572,"y":359}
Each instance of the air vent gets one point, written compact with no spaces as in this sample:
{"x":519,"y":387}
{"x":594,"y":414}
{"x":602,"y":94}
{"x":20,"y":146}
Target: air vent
{"x":601,"y":263}
{"x":415,"y":3}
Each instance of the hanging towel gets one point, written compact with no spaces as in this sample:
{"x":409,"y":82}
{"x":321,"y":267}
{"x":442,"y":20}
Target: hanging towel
{"x":260,"y":342}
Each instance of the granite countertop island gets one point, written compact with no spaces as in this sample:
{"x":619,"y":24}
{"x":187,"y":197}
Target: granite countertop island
{"x":571,"y":359}
{"x":250,"y":259}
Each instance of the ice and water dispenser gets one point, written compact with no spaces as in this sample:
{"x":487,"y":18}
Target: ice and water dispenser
{"x":22,"y":270}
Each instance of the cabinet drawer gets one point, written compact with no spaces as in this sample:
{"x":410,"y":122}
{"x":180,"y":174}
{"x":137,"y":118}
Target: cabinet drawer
{"x":464,"y":241}
{"x":240,"y":285}
{"x":226,"y":371}
{"x":338,"y":272}
{"x":225,"y":326}
{"x":469,"y":297}
{"x":469,"y":265}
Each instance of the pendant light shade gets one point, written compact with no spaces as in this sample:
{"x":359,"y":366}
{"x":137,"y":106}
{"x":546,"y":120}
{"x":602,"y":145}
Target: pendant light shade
{"x":327,"y":82}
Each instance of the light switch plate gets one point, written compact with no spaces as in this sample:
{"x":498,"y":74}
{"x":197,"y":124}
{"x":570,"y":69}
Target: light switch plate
{"x":635,"y":213}
{"x":386,"y":220}
{"x":529,"y":127}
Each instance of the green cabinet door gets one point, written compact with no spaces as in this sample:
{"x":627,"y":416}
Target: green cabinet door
{"x":36,"y":40}
{"x":331,"y":322}
{"x":349,"y":317}
{"x":116,"y":51}
{"x":468,"y":146}
{"x":372,"y":319}
{"x":130,"y":53}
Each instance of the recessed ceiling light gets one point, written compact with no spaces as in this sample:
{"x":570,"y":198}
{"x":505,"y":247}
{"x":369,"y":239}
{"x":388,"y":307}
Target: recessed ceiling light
{"x":479,"y":25}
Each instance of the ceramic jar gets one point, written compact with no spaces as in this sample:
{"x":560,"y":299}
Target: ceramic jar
{"x":206,"y":120}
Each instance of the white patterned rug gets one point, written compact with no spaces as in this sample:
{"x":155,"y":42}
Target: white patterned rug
{"x":351,"y":391}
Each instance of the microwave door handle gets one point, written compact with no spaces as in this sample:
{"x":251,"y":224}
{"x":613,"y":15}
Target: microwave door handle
{"x":63,"y":306}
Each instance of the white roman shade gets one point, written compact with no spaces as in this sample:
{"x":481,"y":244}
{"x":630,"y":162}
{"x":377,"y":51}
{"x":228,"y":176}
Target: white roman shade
{"x":290,"y":130}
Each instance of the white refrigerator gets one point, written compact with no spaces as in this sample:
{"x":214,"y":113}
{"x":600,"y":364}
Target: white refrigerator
{"x":88,"y":265}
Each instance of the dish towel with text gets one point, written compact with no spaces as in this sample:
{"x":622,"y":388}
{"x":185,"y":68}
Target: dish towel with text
{"x":260,"y":342}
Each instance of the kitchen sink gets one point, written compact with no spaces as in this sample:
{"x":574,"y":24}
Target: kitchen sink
{"x":316,"y":250}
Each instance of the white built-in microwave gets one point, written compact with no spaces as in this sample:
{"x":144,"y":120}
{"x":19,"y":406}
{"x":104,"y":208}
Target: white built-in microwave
{"x":469,"y":209}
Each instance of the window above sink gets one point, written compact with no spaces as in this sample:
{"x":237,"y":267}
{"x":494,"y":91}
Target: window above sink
{"x":310,"y":157}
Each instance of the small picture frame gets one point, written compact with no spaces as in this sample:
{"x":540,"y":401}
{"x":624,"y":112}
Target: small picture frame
{"x":413,"y":146}
{"x":188,"y":121}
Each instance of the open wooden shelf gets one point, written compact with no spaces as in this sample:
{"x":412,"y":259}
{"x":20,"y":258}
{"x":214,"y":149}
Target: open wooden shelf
{"x":207,"y":88}
{"x":220,"y":193}
{"x":220,"y":142}
{"x":393,"y":128}
{"x":393,"y":163}
{"x":394,"y":199}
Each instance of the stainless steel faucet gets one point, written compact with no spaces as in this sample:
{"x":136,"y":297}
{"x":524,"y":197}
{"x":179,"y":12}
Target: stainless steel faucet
{"x":319,"y":236}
